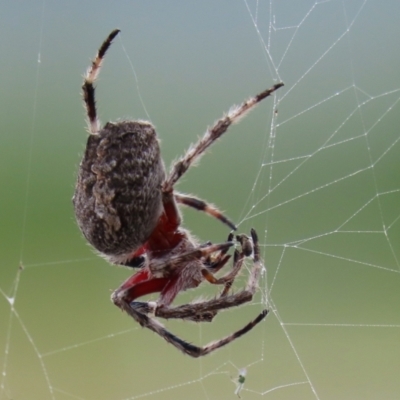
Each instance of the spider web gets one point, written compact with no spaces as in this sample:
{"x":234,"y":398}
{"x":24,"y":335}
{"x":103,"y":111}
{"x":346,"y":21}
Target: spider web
{"x":314,"y":170}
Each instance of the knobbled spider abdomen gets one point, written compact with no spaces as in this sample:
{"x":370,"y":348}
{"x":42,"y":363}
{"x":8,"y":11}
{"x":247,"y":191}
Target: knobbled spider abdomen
{"x":118,"y":191}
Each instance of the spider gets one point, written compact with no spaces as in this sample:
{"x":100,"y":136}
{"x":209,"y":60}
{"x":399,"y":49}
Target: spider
{"x":127,"y":208}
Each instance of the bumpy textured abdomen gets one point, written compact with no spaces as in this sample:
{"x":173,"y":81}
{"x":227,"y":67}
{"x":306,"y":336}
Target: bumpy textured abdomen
{"x":118,"y":192}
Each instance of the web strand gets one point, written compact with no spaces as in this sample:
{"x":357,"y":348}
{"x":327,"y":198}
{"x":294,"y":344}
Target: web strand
{"x":319,"y":181}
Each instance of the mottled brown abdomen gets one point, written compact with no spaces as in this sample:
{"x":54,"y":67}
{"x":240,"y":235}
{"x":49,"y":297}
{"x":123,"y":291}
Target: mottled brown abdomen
{"x":117,"y":197}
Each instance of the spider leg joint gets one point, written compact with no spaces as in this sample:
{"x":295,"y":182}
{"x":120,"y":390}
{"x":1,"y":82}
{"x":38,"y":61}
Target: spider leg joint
{"x":145,"y":307}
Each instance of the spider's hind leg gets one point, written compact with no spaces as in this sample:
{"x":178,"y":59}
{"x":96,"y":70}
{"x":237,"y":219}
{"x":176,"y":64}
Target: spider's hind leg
{"x":182,"y":345}
{"x":90,"y":77}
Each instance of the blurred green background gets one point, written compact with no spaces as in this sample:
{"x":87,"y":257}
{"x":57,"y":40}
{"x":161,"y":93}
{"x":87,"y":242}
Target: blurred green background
{"x":327,"y":208}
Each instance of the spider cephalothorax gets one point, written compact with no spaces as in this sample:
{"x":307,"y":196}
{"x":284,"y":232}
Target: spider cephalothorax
{"x":127,"y":208}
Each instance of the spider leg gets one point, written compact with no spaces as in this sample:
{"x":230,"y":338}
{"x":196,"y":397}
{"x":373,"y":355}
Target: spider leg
{"x":201,"y":205}
{"x":88,"y":88}
{"x":229,"y":278}
{"x":211,"y":135}
{"x":185,"y":347}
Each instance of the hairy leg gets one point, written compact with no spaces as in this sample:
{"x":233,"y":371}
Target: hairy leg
{"x":211,"y":135}
{"x":201,"y":205}
{"x":182,"y":345}
{"x":90,"y":77}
